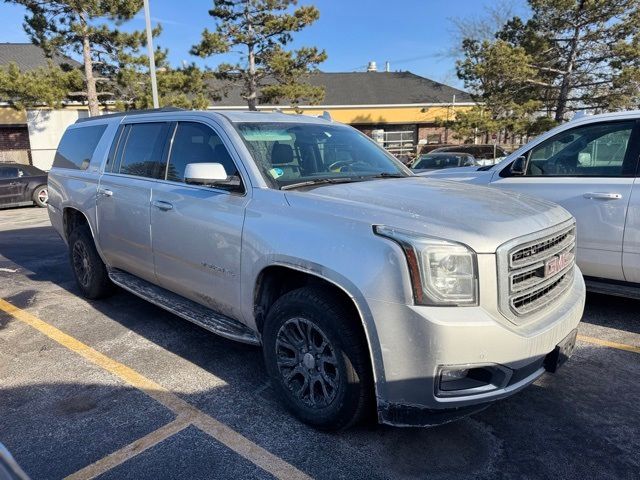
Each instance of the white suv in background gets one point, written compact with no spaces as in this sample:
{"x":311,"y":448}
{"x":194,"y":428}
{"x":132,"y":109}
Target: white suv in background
{"x":590,"y":167}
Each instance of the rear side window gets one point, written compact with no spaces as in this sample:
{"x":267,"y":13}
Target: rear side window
{"x":143,"y":150}
{"x":77,"y":146}
{"x":8,"y":172}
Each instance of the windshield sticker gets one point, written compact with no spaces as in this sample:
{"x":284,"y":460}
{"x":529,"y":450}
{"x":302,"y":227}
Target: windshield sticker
{"x":276,"y":172}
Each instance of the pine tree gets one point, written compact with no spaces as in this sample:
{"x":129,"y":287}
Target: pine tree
{"x":185,"y":87}
{"x":569,"y":55}
{"x":48,"y":85}
{"x":82,"y":27}
{"x":262,"y":28}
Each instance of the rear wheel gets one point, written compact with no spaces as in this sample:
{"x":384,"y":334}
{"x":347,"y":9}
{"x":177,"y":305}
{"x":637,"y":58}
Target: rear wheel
{"x":316,"y":355}
{"x":88,"y":269}
{"x":41,"y":196}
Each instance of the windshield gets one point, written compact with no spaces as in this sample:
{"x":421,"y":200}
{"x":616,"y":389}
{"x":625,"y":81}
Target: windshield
{"x":292,"y":153}
{"x":442,"y":161}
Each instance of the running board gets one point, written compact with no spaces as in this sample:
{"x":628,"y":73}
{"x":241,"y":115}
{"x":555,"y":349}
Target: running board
{"x":618,"y":289}
{"x":185,"y":308}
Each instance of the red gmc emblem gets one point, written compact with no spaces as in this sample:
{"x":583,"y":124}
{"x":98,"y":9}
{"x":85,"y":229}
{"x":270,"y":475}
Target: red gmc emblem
{"x":557,"y":264}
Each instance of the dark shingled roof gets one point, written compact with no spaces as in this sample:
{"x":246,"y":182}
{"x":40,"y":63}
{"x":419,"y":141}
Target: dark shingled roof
{"x":29,"y":57}
{"x":371,"y":88}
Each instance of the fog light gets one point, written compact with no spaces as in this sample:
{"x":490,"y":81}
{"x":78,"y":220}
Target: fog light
{"x":462,"y":380}
{"x":448,"y":374}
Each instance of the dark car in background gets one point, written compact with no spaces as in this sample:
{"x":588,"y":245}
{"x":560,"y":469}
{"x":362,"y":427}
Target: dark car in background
{"x":22,"y":185}
{"x":440,"y":160}
{"x":480,"y":152}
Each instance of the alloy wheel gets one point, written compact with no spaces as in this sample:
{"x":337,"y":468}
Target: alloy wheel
{"x":82,"y":264}
{"x":307,"y":363}
{"x":43,"y":195}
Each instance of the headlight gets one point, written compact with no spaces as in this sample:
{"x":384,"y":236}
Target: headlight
{"x":442,"y":272}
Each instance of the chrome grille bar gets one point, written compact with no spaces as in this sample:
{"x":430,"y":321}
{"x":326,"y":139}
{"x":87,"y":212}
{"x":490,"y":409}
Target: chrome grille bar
{"x":535,"y":272}
{"x":532,"y":252}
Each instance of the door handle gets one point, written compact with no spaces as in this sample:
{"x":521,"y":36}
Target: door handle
{"x":603,"y":196}
{"x":105,"y":192}
{"x":14,"y":184}
{"x":164,"y":206}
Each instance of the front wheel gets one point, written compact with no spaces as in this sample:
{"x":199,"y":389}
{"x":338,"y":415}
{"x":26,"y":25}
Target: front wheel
{"x":317,"y":358}
{"x":41,"y":196}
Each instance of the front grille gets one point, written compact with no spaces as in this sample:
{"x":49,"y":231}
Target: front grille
{"x":532,"y":251}
{"x":536,"y":272}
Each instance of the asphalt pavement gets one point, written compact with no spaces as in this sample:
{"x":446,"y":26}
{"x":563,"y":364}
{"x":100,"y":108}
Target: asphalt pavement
{"x":119,"y":388}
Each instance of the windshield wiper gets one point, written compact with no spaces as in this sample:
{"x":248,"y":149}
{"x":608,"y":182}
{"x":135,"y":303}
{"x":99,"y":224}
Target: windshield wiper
{"x":387,"y":175}
{"x":319,"y":181}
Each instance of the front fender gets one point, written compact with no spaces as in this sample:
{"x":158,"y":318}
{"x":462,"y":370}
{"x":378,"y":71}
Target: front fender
{"x":345,"y":253}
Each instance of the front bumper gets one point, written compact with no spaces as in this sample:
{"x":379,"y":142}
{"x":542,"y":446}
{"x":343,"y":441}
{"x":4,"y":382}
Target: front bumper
{"x":416,"y":342}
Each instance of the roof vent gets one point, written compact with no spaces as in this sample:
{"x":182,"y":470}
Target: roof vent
{"x":372,"y":67}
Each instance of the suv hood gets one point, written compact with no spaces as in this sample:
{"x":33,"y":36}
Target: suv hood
{"x":480,"y":217}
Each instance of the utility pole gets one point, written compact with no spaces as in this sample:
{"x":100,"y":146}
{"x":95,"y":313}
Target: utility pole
{"x":152,"y":61}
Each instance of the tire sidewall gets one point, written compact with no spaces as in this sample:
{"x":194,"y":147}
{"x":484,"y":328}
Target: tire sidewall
{"x":345,"y":404}
{"x":95,"y":287}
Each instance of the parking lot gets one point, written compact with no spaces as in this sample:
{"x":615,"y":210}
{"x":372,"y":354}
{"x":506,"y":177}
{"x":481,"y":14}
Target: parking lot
{"x":122,"y":389}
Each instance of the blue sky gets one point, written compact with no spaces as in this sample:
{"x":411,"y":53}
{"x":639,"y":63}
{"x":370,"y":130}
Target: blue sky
{"x":413,"y":35}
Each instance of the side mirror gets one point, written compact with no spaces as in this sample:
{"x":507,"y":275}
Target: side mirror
{"x":204,"y":173}
{"x":519,"y":166}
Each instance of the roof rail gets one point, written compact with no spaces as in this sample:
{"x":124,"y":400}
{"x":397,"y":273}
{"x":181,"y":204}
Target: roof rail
{"x":579,"y":114}
{"x":326,"y":116}
{"x":131,"y":112}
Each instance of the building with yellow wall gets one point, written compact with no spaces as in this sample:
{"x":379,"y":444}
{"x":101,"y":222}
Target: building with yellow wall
{"x":400,"y":110}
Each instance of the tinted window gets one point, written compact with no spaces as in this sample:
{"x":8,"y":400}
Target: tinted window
{"x":143,"y":150}
{"x":593,"y":150}
{"x":117,"y":144}
{"x":443,"y":161}
{"x":485,"y":152}
{"x":32,"y":171}
{"x":198,"y":143}
{"x":8,"y":172}
{"x":77,"y":146}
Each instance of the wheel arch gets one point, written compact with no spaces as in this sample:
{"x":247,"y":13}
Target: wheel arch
{"x":268,"y":288}
{"x":72,"y":218}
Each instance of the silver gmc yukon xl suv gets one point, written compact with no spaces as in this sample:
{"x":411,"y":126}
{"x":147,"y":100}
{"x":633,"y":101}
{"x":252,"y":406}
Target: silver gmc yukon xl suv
{"x":368,"y":288}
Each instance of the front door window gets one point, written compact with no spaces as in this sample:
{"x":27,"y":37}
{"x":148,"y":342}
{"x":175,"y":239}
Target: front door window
{"x":598,"y":150}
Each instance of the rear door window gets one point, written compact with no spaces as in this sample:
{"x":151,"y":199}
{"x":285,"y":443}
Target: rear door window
{"x":77,"y":146}
{"x":142,"y":153}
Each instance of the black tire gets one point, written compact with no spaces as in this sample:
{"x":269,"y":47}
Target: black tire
{"x":40,"y":196}
{"x":87,"y":266}
{"x":329,"y":319}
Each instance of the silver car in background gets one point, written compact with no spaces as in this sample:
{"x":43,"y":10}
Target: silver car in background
{"x":590,"y":166}
{"x":369,"y":289}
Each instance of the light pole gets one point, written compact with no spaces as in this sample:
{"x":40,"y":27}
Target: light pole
{"x":152,"y":61}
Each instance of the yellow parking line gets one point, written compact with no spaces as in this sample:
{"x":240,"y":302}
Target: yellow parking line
{"x":218,"y":430}
{"x":125,"y":453}
{"x":607,"y":343}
